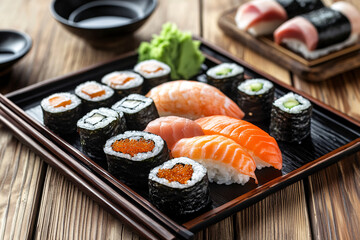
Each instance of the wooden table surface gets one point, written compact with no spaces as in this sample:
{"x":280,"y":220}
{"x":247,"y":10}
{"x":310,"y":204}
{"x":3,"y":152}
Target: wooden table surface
{"x":37,"y":202}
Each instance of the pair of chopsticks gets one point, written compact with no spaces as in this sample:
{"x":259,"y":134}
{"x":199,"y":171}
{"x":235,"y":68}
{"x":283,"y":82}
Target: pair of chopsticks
{"x":88,"y":181}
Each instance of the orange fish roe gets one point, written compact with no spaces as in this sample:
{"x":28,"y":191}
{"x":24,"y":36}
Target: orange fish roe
{"x":151,"y":68}
{"x":93,"y":90}
{"x":120,"y":79}
{"x":180,"y":173}
{"x":133,"y":146}
{"x":59,"y":101}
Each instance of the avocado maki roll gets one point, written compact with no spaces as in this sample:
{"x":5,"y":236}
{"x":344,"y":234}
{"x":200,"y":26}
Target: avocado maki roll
{"x":98,"y":126}
{"x":154,"y":72}
{"x":124,"y":83}
{"x":94,"y":95}
{"x":290,"y":118}
{"x":179,"y":187}
{"x":131,"y":156}
{"x":138,"y":110}
{"x":226,"y":77}
{"x":61,"y":112}
{"x":255,"y":98}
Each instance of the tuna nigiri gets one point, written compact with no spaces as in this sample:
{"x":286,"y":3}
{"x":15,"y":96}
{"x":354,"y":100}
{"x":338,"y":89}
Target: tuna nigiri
{"x":322,"y":31}
{"x":226,"y":161}
{"x":192,"y":100}
{"x":262,"y":17}
{"x":259,"y":144}
{"x":173,"y":128}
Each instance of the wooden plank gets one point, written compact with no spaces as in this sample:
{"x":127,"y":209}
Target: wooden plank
{"x":21,"y":181}
{"x":277,"y":212}
{"x":212,"y":9}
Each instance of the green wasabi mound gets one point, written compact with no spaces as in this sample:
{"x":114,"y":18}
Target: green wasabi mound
{"x":176,"y":49}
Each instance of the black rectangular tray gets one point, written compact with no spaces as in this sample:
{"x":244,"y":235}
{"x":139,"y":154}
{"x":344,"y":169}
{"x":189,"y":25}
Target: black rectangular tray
{"x":333,"y":136}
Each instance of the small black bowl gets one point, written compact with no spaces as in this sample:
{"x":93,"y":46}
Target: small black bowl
{"x":13,"y":46}
{"x":100,"y":21}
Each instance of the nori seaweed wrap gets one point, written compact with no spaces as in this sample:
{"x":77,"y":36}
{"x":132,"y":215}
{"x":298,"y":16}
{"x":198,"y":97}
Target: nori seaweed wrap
{"x":179,"y":187}
{"x":255,"y":98}
{"x":226,"y":77}
{"x":154,"y":73}
{"x":131,"y":156}
{"x":94,"y":95}
{"x":291,"y":118}
{"x":124,"y":83}
{"x":297,"y":7}
{"x":61,"y":112}
{"x":98,"y":126}
{"x":138,"y":110}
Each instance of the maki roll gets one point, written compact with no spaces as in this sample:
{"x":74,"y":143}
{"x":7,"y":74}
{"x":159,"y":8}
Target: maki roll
{"x":131,"y":156}
{"x":154,"y":72}
{"x":226,"y":77}
{"x":138,"y":110}
{"x":94,"y":95}
{"x":124,"y":83}
{"x":179,"y":187}
{"x":98,"y":126}
{"x":61,"y":112}
{"x":255,"y":98}
{"x":290,"y":118}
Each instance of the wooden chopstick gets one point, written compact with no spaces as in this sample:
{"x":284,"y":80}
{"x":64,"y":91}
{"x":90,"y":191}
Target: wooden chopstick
{"x":175,"y":228}
{"x":91,"y":178}
{"x":21,"y":133}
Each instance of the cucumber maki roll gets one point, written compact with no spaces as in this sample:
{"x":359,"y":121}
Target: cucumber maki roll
{"x":131,"y":156}
{"x":154,"y":72}
{"x":94,"y":95}
{"x":61,"y":112}
{"x":226,"y":77}
{"x":179,"y":187}
{"x":255,"y":98}
{"x":124,"y":83}
{"x":138,"y":110}
{"x":98,"y":126}
{"x":290,"y":118}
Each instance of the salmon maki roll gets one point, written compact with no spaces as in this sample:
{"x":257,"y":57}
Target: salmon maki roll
{"x":226,"y":161}
{"x":191,"y":99}
{"x":260,"y":145}
{"x":173,"y":128}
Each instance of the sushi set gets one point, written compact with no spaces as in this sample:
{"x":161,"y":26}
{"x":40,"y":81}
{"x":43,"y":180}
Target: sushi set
{"x":312,"y":40}
{"x":166,"y":179}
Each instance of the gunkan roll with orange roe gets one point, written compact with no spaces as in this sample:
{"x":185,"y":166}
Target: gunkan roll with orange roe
{"x":131,"y":156}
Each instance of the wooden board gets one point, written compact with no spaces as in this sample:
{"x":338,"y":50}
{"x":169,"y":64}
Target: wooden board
{"x":315,"y":70}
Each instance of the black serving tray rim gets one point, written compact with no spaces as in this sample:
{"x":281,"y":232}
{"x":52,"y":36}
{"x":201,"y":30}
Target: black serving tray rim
{"x":259,"y":192}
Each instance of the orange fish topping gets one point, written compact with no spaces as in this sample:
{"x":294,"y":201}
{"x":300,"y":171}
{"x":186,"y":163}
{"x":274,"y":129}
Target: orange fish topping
{"x":93,"y":90}
{"x":151,"y":68}
{"x":180,"y":173}
{"x":120,"y":79}
{"x":59,"y":101}
{"x":133,"y":146}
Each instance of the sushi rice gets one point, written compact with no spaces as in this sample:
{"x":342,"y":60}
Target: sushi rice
{"x":165,"y":69}
{"x":304,"y":103}
{"x":235,"y":70}
{"x":108,"y":92}
{"x":75,"y":102}
{"x":136,"y":81}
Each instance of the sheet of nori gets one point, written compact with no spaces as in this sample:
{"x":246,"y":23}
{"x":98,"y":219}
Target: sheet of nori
{"x":88,"y":105}
{"x":290,"y":127}
{"x":298,"y":7}
{"x":135,"y":173}
{"x":93,"y":140}
{"x":62,"y":123}
{"x":177,"y":202}
{"x":121,"y":93}
{"x":256,"y":107}
{"x":332,"y":26}
{"x":226,"y":85}
{"x":155,"y":81}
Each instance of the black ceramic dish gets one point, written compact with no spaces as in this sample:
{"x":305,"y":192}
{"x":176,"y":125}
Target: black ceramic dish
{"x":102,"y":21}
{"x":13,"y":46}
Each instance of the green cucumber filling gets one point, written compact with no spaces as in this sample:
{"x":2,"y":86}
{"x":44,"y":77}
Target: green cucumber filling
{"x":224,"y":71}
{"x":131,"y":104}
{"x":257,"y":86}
{"x":94,"y":119}
{"x":291,"y":103}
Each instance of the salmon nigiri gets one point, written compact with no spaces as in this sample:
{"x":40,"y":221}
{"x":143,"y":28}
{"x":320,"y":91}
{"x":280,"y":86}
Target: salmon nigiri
{"x":173,"y":128}
{"x":226,"y":161}
{"x":192,"y":100}
{"x":261,"y":146}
